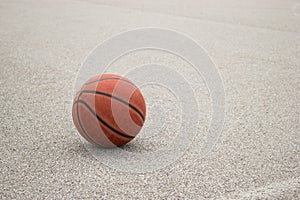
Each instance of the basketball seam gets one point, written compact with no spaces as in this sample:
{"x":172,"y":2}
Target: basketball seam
{"x":116,"y":98}
{"x":104,"y":79}
{"x":81,"y":126}
{"x":101,"y":120}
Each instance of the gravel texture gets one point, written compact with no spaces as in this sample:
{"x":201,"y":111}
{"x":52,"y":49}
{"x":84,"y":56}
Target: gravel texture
{"x":256,"y":47}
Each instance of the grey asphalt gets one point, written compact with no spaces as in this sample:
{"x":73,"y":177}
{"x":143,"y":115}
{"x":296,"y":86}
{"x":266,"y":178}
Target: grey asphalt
{"x":256,"y":48}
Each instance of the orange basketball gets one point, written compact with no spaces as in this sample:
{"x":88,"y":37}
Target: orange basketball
{"x":109,"y":110}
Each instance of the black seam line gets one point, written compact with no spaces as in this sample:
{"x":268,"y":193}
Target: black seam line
{"x":116,"y":98}
{"x":104,"y":79}
{"x":81,"y":126}
{"x":101,"y":120}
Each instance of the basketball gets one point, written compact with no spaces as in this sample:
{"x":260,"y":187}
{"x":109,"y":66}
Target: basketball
{"x":109,"y":110}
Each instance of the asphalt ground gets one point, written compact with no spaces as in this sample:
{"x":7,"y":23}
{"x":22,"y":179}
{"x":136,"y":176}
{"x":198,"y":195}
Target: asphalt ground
{"x":254,"y":45}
